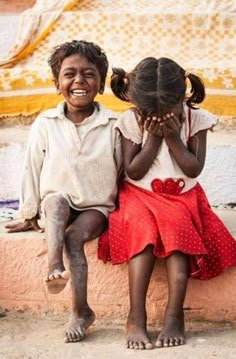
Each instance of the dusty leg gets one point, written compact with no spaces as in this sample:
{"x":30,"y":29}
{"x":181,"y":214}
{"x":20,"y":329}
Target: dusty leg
{"x":172,"y":334}
{"x":87,"y":226}
{"x":57,"y":212}
{"x":140,"y":270}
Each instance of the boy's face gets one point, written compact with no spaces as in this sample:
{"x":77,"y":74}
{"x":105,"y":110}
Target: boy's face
{"x":79,"y":81}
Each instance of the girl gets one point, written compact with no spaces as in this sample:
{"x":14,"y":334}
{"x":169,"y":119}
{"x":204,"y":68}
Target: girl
{"x":67,"y":146}
{"x":163,"y":211}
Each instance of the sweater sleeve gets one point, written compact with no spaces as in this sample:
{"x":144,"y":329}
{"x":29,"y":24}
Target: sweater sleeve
{"x":30,"y":180}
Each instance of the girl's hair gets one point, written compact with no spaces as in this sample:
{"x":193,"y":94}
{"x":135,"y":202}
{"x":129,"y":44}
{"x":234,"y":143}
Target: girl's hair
{"x":91,"y":51}
{"x":156,"y":85}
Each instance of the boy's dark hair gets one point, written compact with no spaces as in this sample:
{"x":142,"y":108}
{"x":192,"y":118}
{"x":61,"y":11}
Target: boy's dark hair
{"x":156,"y":85}
{"x":90,"y":50}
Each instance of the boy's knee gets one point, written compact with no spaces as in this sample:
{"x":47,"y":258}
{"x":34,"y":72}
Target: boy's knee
{"x":79,"y":237}
{"x":56,"y":202}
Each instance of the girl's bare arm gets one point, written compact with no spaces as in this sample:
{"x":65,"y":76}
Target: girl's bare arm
{"x":191,"y":159}
{"x":138,"y":160}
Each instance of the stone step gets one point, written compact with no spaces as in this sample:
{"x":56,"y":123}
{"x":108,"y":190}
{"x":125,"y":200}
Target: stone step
{"x":23,"y":264}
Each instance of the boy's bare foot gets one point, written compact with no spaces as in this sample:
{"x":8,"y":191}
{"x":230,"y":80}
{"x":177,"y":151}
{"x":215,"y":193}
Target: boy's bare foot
{"x":136,"y":335}
{"x":56,"y":281}
{"x":172,"y":333}
{"x":75,"y":330}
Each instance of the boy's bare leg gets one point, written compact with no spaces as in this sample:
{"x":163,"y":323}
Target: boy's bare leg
{"x":57,"y":212}
{"x":173,"y":332}
{"x":140,"y":270}
{"x":87,"y":226}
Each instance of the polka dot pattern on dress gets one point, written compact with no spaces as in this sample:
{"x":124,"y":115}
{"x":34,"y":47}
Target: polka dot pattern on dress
{"x":183,"y":222}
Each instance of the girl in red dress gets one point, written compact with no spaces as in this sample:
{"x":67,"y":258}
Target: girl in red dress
{"x":162,"y":210}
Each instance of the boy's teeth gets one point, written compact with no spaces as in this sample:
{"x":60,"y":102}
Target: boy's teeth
{"x":79,"y":92}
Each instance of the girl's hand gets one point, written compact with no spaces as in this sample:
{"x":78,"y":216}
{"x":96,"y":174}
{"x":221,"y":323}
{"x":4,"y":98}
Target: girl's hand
{"x":27,"y":225}
{"x":171,"y":125}
{"x":153,"y":126}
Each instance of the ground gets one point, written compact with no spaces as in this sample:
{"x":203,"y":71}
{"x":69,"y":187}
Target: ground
{"x":30,"y":336}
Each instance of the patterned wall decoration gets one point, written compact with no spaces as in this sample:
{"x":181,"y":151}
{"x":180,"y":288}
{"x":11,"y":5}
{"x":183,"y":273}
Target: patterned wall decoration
{"x":201,"y":36}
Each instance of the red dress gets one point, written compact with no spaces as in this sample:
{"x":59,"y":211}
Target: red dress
{"x":169,"y":221}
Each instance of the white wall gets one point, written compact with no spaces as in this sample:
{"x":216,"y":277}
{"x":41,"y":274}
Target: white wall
{"x":218,"y":177}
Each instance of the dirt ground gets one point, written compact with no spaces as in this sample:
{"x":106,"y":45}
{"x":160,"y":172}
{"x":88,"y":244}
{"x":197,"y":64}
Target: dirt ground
{"x":30,"y":336}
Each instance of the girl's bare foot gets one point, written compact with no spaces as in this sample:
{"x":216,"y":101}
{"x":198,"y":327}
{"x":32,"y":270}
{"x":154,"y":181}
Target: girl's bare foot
{"x":56,"y":281}
{"x":136,"y":334}
{"x":75,"y":330}
{"x":172,"y":333}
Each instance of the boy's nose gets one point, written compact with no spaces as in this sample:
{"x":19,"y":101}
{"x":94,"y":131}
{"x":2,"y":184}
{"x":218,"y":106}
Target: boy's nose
{"x":79,"y":78}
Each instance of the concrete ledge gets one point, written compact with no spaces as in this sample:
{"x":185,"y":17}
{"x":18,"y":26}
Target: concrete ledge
{"x":23,"y":263}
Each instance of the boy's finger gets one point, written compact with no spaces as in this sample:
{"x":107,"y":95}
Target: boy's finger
{"x":12,"y":225}
{"x":36,"y":227}
{"x":20,"y":227}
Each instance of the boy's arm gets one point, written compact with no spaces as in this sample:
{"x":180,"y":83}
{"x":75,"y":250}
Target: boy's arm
{"x":30,"y":180}
{"x":29,"y":195}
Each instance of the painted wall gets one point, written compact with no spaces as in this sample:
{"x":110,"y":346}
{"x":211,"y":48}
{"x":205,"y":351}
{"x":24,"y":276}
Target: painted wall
{"x":218,"y":177}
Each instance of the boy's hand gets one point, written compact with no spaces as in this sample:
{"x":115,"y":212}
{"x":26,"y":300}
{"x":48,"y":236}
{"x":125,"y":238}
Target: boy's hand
{"x":27,"y":225}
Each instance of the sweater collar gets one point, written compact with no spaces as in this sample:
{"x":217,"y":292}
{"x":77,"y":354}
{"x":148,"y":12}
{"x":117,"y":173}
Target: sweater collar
{"x":104,"y":115}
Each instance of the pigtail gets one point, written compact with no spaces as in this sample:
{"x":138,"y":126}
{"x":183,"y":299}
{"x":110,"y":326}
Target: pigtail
{"x":197,"y":90}
{"x":120,"y":84}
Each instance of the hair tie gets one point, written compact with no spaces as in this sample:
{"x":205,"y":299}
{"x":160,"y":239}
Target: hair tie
{"x":126,"y":80}
{"x":186,"y":74}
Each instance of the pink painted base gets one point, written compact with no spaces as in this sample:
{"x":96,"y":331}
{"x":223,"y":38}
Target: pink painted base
{"x":23,"y":263}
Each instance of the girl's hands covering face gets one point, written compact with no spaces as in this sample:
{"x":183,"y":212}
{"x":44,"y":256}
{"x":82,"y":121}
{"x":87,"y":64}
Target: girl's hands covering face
{"x":171,"y":124}
{"x":151,"y":124}
{"x":165,"y":126}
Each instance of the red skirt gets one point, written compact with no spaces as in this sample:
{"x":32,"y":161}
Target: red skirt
{"x":169,"y":222}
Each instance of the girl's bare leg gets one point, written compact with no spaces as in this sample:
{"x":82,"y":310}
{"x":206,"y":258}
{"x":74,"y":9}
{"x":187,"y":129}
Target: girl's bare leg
{"x":87,"y":226}
{"x":140,"y":270}
{"x":57,"y":213}
{"x":173,"y":332}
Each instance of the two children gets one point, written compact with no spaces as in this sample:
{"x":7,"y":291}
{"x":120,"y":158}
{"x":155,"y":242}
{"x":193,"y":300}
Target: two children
{"x":162,"y":210}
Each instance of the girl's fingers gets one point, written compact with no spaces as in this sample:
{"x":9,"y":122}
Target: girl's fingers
{"x":171,"y":121}
{"x":152,"y":124}
{"x":140,"y":121}
{"x":147,"y":123}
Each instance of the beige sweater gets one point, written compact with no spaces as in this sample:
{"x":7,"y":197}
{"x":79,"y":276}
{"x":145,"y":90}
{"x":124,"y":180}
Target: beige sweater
{"x":82,"y":168}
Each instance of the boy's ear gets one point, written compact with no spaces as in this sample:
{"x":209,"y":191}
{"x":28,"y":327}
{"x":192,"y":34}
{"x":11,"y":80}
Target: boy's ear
{"x":102,"y":88}
{"x":57,"y":88}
